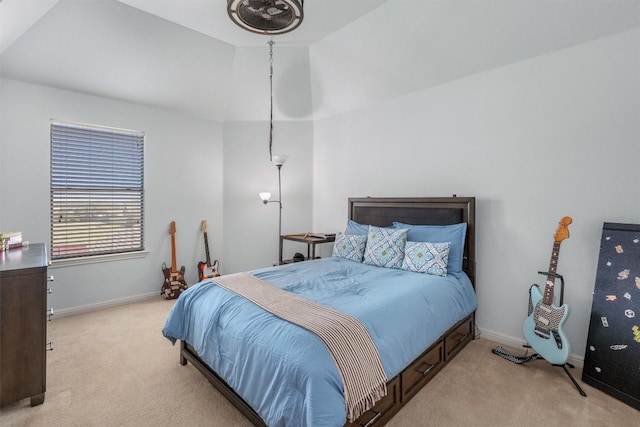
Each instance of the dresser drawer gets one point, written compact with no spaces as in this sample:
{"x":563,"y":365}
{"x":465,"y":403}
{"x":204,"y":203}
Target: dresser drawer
{"x":456,"y":340}
{"x":383,"y":410}
{"x":23,"y":304}
{"x":422,"y":370}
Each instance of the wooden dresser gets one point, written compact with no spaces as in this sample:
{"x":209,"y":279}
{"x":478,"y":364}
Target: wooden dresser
{"x":23,"y":306}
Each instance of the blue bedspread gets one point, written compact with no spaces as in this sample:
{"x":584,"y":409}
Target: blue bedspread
{"x":285,"y":372}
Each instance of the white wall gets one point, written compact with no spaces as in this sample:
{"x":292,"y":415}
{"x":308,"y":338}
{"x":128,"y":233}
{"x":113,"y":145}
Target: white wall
{"x":195,"y":169}
{"x":533,"y":141}
{"x":405,"y":46}
{"x":251,"y":228}
{"x":183,"y":182}
{"x":249,"y":80}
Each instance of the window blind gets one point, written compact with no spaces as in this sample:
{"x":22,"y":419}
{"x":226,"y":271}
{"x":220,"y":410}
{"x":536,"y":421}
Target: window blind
{"x":97,"y":190}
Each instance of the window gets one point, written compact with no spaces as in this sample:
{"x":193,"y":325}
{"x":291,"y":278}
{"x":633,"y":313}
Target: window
{"x":97,"y":190}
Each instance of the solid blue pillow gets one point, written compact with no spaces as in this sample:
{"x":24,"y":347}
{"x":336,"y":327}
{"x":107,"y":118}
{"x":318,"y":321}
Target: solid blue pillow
{"x":454,"y":233}
{"x":356,"y":228}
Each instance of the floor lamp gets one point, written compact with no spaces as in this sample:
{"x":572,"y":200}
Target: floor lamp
{"x":277,"y":160}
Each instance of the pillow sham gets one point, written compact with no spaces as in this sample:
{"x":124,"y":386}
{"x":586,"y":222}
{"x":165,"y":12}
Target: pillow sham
{"x":349,"y":246}
{"x":425,"y":257}
{"x":385,"y":247}
{"x":454,"y":233}
{"x":356,"y":228}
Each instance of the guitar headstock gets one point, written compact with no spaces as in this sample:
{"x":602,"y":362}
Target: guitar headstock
{"x":172,"y":228}
{"x":203,"y":227}
{"x":563,"y":229}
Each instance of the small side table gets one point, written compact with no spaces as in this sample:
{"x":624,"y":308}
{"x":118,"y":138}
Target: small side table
{"x":311,"y":239}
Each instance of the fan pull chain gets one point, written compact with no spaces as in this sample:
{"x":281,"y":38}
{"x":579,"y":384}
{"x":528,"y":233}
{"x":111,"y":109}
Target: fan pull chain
{"x":271,"y":43}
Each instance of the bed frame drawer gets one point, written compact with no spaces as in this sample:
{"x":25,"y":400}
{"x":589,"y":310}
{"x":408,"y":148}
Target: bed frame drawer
{"x":422,"y":370}
{"x":459,"y":337}
{"x":383,"y":410}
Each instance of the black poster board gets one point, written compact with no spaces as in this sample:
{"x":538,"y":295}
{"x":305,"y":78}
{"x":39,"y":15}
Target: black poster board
{"x":612,"y":356}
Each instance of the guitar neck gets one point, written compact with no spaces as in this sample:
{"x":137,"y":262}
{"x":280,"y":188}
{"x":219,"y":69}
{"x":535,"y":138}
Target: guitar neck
{"x":551,"y":278}
{"x":206,"y":249}
{"x":174,"y":268}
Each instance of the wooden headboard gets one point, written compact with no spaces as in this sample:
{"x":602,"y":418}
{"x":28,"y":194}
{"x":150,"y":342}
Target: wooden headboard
{"x":382,"y":211}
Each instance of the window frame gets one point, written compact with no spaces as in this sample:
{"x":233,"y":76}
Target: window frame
{"x":97,"y":191}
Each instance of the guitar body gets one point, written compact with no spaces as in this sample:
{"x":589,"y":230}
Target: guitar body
{"x":543,"y":328}
{"x":174,"y":282}
{"x":206,"y":269}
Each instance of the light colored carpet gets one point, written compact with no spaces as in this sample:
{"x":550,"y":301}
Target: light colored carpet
{"x":113,"y":367}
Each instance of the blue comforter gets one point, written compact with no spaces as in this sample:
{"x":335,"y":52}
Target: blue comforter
{"x":285,"y":372}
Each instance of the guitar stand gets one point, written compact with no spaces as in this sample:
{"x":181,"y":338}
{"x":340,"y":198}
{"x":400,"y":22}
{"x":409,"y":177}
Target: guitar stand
{"x":564,"y":366}
{"x":536,"y":356}
{"x":530,"y":358}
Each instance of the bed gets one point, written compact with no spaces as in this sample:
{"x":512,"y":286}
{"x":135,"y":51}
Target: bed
{"x":277,"y":375}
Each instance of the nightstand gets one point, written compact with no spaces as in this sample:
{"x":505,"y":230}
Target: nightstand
{"x":310,"y":239}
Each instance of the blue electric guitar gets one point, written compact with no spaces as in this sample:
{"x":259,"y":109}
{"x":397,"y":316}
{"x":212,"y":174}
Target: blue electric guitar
{"x":543,"y":326}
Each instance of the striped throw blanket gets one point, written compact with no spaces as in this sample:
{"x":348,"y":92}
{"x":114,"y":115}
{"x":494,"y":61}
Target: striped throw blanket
{"x":347,"y":340}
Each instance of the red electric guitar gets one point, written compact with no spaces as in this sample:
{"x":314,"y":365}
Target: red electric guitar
{"x":206,"y":269}
{"x":174,"y":282}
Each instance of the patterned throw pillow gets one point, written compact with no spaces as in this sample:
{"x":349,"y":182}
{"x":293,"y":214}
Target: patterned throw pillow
{"x":349,"y":246}
{"x":425,"y":257}
{"x":385,"y":247}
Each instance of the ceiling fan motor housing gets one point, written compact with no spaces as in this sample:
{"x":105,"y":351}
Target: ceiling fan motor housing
{"x":266,"y":16}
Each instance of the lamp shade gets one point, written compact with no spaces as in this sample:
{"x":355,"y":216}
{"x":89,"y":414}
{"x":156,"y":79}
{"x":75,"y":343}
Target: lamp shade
{"x":279,"y":160}
{"x":265,"y":196}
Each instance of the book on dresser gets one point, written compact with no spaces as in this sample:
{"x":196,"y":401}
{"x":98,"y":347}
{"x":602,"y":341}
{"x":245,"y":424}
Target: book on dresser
{"x":10,"y":240}
{"x":23,"y":317}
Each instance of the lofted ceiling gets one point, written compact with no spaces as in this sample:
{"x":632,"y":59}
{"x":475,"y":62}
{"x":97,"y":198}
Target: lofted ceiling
{"x":208,"y":17}
{"x":187,"y":55}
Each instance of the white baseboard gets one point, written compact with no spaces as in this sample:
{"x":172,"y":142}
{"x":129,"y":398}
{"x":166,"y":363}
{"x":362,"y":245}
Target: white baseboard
{"x":64,"y":312}
{"x":517,"y":343}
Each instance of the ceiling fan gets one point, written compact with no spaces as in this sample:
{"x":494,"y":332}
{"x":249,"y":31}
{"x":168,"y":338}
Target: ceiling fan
{"x":266,"y":16}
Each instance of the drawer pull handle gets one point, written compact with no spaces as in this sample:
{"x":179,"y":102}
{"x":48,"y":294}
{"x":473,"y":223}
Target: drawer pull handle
{"x":49,"y":290}
{"x":429,"y":368}
{"x":50,"y":314}
{"x":372,"y":420}
{"x":462,"y":338}
{"x":50,"y":278}
{"x":50,"y":346}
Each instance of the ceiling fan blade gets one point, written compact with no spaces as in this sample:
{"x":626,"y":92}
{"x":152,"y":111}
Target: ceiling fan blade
{"x":266,"y":16}
{"x":257,"y":4}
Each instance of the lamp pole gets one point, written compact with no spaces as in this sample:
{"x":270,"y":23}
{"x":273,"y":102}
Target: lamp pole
{"x":278,"y":160}
{"x":279,"y":213}
{"x":279,"y":202}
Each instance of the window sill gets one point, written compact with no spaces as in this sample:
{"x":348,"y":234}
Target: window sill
{"x":96,"y":259}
